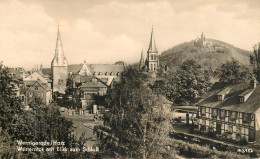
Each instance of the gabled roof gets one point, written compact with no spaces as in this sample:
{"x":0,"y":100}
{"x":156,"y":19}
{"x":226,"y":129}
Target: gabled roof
{"x":44,"y":86}
{"x":231,"y":101}
{"x":246,"y":92}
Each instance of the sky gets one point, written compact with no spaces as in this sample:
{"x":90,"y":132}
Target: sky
{"x":106,"y":31}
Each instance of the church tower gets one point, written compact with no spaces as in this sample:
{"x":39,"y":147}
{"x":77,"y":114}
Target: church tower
{"x":59,"y":68}
{"x":152,"y":59}
{"x":141,"y":64}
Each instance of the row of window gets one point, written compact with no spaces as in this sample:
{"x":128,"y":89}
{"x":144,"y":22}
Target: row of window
{"x":221,"y":128}
{"x":106,"y":73}
{"x":153,"y":67}
{"x":153,"y":57}
{"x":31,"y":94}
{"x":222,"y":114}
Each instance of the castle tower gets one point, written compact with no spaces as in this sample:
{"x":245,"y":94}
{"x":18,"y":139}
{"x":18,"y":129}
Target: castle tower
{"x":152,"y":59}
{"x":59,"y":67}
{"x":141,"y":64}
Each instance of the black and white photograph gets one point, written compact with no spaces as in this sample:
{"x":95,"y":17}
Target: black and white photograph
{"x":129,"y":79}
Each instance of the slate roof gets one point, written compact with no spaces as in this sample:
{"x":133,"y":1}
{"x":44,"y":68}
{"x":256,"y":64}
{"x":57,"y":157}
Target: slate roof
{"x":93,"y":84}
{"x":231,"y":101}
{"x":45,"y":72}
{"x":103,"y":68}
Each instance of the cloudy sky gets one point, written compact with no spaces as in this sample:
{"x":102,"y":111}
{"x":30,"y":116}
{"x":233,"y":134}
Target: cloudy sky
{"x":103,"y":31}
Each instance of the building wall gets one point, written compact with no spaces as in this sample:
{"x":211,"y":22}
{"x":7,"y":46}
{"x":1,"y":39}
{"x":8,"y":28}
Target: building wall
{"x":238,"y":126}
{"x":86,"y":99}
{"x":153,"y":61}
{"x":38,"y":92}
{"x":59,"y":75}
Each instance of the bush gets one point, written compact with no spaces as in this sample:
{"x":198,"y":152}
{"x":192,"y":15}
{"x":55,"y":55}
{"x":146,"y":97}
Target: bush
{"x":197,"y":151}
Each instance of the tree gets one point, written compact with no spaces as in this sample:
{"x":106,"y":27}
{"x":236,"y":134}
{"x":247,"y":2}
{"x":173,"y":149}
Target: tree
{"x":69,"y":93}
{"x":188,"y":84}
{"x":43,"y":123}
{"x":128,"y":103}
{"x":10,"y":104}
{"x":130,"y":128}
{"x":255,"y":62}
{"x":233,"y":72}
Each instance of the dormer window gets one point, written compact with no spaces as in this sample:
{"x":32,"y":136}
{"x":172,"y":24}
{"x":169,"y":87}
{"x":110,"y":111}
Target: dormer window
{"x":245,"y":95}
{"x":221,"y":95}
{"x":36,"y":88}
{"x":241,"y":99}
{"x":99,"y":73}
{"x":111,"y":74}
{"x":94,"y":73}
{"x":106,"y":74}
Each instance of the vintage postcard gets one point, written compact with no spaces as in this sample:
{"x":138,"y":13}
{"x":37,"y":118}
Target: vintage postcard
{"x":155,"y":79}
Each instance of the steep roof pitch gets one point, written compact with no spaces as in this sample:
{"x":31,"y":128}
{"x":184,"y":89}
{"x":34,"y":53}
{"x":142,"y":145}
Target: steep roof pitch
{"x":46,"y":72}
{"x":231,"y":101}
{"x":32,"y":83}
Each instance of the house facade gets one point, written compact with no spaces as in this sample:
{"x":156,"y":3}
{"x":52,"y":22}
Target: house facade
{"x":231,"y":112}
{"x":89,"y":88}
{"x":37,"y":90}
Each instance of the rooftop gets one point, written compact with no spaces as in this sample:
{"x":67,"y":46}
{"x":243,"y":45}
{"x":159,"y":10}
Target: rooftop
{"x":231,"y":101}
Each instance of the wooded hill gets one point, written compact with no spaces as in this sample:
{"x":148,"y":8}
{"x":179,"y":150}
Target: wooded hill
{"x":207,"y":57}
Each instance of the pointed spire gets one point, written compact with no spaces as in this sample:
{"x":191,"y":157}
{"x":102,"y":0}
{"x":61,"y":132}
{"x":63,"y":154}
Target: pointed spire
{"x":152,"y":45}
{"x":141,"y":60}
{"x":59,"y":57}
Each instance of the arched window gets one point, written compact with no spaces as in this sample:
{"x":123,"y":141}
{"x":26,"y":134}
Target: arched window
{"x":151,"y":56}
{"x":99,"y":73}
{"x":111,"y":74}
{"x":94,"y":73}
{"x":106,"y":73}
{"x":154,"y":67}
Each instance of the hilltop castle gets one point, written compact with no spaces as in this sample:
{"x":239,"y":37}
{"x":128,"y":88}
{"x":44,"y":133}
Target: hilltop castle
{"x":202,"y":42}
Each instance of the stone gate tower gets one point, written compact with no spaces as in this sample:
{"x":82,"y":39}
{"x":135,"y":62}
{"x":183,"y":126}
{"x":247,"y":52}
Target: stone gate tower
{"x":59,"y":68}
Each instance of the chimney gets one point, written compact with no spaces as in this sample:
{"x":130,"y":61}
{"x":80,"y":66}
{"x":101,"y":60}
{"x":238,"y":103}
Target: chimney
{"x":253,"y":84}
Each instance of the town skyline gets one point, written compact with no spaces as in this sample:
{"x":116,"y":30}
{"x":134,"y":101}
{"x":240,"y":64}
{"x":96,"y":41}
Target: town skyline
{"x":94,"y":30}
